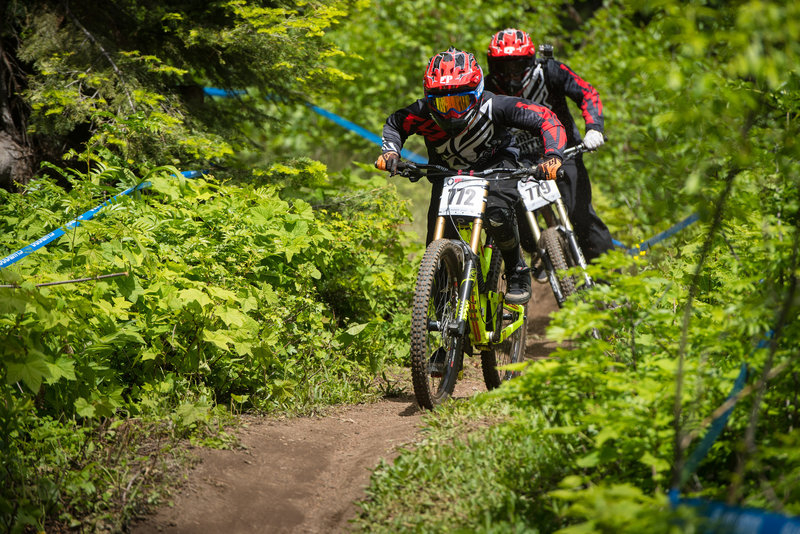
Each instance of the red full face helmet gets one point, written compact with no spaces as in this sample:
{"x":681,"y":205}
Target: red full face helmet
{"x":453,"y":88}
{"x":511,"y":57}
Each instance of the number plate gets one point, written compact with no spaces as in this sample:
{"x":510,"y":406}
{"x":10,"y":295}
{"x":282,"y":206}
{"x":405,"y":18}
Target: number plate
{"x":462,"y":196}
{"x":538,"y":194}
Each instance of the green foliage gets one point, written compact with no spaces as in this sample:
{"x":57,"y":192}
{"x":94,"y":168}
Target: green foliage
{"x":233,"y":296}
{"x":473,"y":471}
{"x":701,"y":101}
{"x":93,"y":479}
{"x":129,"y":77}
{"x":285,"y":294}
{"x":386,"y":46}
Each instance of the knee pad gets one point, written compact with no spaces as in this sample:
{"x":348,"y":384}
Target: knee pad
{"x":502,"y":226}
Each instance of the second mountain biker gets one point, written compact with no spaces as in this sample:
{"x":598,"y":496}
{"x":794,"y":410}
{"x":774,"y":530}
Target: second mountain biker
{"x":467,"y":128}
{"x":514,"y":69}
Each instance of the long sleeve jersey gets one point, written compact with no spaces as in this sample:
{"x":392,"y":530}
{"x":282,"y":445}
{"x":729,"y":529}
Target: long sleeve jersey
{"x":550,"y":83}
{"x":487,"y":141}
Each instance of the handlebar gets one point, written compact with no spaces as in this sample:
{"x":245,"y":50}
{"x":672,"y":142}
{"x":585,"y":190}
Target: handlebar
{"x":573,"y":151}
{"x":415,"y":171}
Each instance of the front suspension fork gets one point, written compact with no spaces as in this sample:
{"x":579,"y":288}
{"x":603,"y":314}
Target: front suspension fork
{"x":548,"y":265}
{"x":572,"y":240}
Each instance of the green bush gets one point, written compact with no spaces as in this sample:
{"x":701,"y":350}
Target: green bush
{"x":233,"y":297}
{"x":702,"y":105}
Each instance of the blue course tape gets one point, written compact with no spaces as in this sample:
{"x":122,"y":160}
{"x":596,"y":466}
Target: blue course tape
{"x":363,"y":132}
{"x":724,"y":518}
{"x":225,"y":93}
{"x":714,"y":430}
{"x":58,"y":232}
{"x":645,"y":245}
{"x":74,"y":223}
{"x":719,"y":423}
{"x":344,"y":123}
{"x":735,"y":520}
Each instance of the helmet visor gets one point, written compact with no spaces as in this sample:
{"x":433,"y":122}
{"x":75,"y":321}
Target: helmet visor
{"x":511,"y":69}
{"x":455,"y":105}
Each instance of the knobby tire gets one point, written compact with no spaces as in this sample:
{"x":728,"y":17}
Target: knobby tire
{"x":561,"y":259}
{"x":436,"y":355}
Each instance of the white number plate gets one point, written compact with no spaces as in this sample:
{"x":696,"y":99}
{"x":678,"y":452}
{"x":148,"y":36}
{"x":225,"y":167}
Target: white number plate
{"x":538,"y":194}
{"x":463,"y":196}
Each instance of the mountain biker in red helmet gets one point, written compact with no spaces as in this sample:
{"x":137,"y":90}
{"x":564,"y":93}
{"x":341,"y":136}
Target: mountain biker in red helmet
{"x":515,"y":70}
{"x":466,"y":127}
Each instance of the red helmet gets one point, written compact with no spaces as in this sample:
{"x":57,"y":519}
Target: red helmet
{"x":453,"y":88}
{"x":511,"y":58}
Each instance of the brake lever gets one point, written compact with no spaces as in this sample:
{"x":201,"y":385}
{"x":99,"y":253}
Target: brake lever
{"x":533,"y":173}
{"x":409,"y":173}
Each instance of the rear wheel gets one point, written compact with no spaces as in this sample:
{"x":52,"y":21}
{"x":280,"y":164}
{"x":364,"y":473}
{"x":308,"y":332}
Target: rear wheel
{"x":560,"y":258}
{"x":512,"y":349}
{"x":436,"y":351}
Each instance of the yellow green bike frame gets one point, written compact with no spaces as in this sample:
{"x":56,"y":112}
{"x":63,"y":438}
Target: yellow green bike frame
{"x":474,"y":306}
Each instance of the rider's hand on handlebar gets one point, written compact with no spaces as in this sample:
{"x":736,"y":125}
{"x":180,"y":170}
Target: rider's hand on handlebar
{"x":549,"y":168}
{"x":593,"y":140}
{"x":388,"y":162}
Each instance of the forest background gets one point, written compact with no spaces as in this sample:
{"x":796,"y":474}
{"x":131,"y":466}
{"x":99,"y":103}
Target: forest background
{"x":279,"y":281}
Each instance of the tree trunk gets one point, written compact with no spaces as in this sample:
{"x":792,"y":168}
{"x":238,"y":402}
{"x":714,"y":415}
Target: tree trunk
{"x":17,"y":157}
{"x":16,"y":162}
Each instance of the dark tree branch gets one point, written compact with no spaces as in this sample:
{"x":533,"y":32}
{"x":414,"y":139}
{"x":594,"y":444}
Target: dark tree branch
{"x":103,"y":51}
{"x":687,"y":317}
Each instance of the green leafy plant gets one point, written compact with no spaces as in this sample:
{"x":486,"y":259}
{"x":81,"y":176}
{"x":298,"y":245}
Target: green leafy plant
{"x":232,"y":297}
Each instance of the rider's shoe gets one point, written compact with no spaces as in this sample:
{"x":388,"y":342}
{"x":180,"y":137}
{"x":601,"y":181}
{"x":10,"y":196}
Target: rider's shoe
{"x":518,"y":279}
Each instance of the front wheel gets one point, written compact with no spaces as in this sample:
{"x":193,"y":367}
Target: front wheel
{"x":436,"y":348}
{"x":512,"y":349}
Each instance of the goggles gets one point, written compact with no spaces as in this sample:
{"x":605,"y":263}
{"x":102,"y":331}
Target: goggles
{"x":453,"y":106}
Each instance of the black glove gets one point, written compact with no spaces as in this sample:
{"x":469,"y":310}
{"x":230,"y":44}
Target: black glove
{"x":388,"y":162}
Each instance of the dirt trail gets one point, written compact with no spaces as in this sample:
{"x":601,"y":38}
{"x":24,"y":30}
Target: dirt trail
{"x":304,"y":475}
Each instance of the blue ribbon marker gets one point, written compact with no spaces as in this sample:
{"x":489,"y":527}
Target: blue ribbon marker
{"x":735,"y":520}
{"x":58,"y":232}
{"x":74,"y":223}
{"x":344,"y":123}
{"x":363,"y":132}
{"x":645,"y":245}
{"x":721,"y":517}
{"x":714,"y":430}
{"x":224,"y":93}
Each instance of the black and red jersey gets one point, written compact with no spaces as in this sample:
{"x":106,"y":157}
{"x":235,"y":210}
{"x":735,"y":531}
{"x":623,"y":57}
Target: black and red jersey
{"x":549,"y":83}
{"x":488,"y":139}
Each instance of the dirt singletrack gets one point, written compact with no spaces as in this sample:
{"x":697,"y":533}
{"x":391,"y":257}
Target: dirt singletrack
{"x":304,"y":475}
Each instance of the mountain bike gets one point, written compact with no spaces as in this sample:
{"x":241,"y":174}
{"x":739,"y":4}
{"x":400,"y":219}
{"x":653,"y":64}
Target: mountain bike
{"x":557,"y":244}
{"x":459,"y":303}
